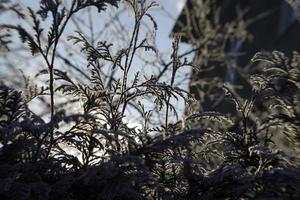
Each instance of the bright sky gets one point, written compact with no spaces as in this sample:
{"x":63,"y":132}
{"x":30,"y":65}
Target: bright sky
{"x":165,"y":21}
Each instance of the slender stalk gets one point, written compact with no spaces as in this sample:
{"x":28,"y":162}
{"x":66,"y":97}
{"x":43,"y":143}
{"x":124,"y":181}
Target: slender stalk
{"x":175,"y":66}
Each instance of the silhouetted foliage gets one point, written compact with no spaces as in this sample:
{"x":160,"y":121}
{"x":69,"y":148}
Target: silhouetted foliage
{"x":95,"y":154}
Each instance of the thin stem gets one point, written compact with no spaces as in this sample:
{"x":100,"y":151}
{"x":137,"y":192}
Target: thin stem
{"x":175,"y":66}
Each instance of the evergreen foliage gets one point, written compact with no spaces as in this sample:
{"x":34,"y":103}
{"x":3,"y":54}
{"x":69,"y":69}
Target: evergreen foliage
{"x":236,"y":158}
